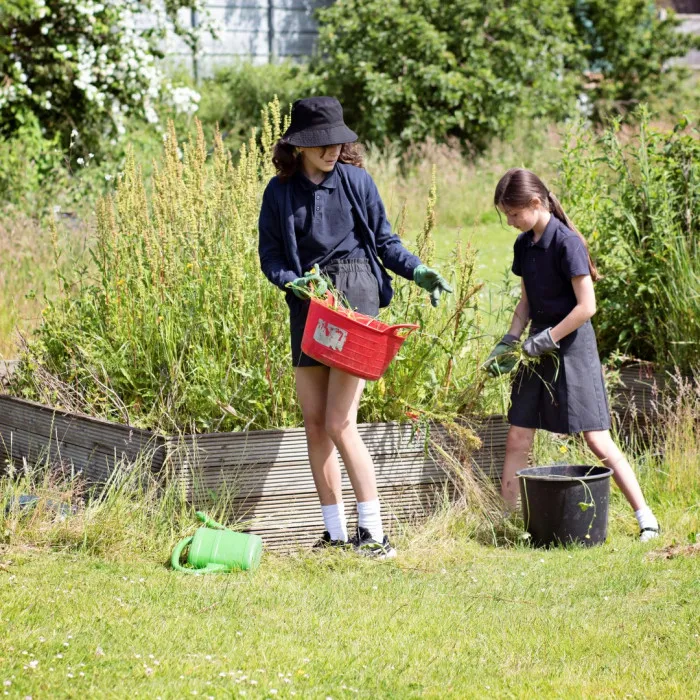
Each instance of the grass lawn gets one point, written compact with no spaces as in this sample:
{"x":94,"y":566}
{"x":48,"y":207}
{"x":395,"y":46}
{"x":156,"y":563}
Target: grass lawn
{"x":454,"y":618}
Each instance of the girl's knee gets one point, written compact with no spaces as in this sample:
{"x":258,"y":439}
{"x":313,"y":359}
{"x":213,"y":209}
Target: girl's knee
{"x":338,"y":426}
{"x":520,"y":438}
{"x":315,"y":425}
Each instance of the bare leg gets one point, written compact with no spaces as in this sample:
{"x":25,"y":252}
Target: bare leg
{"x":605,"y":449}
{"x":344,"y":392}
{"x":518,"y":446}
{"x":312,"y":391}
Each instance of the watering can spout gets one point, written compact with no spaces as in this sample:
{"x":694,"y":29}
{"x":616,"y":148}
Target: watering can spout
{"x":209,"y":522}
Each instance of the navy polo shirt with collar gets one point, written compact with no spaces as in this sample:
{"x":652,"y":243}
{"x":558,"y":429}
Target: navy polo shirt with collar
{"x":547,"y":267}
{"x":323,"y":222}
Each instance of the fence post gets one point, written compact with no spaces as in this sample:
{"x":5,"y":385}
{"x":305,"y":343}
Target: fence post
{"x":270,"y":31}
{"x":195,"y":47}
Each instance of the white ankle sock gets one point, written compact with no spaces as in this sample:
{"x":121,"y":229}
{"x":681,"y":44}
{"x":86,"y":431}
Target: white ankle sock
{"x":646,"y":518}
{"x":334,"y":519}
{"x":369,"y":516}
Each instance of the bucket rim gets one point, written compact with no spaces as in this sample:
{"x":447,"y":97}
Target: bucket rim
{"x":530,"y":473}
{"x":367,"y":322}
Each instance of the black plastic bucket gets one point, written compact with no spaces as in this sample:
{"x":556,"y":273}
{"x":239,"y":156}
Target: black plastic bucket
{"x":564,"y":504}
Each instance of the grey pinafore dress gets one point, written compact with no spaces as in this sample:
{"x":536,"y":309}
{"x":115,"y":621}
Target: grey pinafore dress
{"x":324,"y":226}
{"x":565,"y":391}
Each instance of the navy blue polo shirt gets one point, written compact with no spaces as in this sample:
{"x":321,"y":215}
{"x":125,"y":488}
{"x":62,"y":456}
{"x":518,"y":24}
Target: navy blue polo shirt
{"x":323,"y":222}
{"x":547,"y":268}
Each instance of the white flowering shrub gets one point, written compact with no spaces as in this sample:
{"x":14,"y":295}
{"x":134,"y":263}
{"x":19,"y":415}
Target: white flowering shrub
{"x":87,"y":64}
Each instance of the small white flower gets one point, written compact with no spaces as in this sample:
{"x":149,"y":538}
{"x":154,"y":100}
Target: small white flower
{"x":74,"y":134}
{"x":91,"y":155}
{"x":33,"y":664}
{"x":79,"y":161}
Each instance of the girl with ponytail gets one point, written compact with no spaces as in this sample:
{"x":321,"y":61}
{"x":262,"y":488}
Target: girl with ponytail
{"x":565,"y":392}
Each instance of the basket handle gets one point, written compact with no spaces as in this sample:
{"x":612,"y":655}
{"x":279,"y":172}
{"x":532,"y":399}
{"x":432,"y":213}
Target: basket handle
{"x":392,"y":330}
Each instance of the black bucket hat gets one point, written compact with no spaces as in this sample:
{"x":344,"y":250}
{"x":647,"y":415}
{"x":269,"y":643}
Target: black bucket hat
{"x":317,"y":121}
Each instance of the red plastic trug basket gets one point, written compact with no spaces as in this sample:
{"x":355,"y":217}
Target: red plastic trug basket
{"x":357,"y":344}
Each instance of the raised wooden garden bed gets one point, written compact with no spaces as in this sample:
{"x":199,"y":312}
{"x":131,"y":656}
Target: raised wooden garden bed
{"x":265,"y":475}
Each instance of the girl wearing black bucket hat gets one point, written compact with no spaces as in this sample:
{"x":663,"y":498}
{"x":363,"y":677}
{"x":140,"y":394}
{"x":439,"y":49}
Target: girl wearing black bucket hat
{"x":323,"y":211}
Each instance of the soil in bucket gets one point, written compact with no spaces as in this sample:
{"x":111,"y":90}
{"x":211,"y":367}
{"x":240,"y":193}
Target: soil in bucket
{"x":565,"y":504}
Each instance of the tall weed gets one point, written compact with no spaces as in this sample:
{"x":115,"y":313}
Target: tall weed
{"x":177,"y":329}
{"x":637,"y":199}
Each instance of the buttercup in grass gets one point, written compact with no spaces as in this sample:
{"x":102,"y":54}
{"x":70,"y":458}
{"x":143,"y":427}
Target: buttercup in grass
{"x":322,"y":212}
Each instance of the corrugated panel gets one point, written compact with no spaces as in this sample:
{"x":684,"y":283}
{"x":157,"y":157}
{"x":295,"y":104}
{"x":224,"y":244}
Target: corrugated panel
{"x":34,"y":432}
{"x":265,"y":475}
{"x":639,"y":395}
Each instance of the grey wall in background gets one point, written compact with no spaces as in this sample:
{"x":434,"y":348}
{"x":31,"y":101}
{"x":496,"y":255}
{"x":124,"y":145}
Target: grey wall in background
{"x":266,"y":30}
{"x":256,"y":30}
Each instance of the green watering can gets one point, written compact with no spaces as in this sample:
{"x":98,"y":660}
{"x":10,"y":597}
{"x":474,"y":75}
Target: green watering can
{"x":214,"y":549}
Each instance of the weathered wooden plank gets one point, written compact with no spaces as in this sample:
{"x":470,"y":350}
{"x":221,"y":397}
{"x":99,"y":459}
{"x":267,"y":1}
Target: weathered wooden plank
{"x":34,"y":432}
{"x":84,"y":430}
{"x":253,"y":485}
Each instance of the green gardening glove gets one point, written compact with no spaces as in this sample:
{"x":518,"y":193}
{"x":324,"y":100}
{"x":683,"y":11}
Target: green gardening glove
{"x":502,"y":359}
{"x":301,"y":285}
{"x":432,"y":282}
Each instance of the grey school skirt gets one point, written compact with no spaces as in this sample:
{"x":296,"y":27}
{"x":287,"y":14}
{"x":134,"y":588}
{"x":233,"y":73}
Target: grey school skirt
{"x":564,"y":392}
{"x":354,"y":278}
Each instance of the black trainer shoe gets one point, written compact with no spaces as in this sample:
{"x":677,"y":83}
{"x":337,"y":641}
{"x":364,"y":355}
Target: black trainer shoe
{"x":326,"y":541}
{"x":365,"y":544}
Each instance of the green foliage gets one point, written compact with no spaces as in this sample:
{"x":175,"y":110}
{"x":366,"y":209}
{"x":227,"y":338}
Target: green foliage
{"x":636,"y":197}
{"x":84,"y":65}
{"x":234,"y":97}
{"x":629,"y":47}
{"x":31,"y":169}
{"x":407,"y":70}
{"x":178,"y":328}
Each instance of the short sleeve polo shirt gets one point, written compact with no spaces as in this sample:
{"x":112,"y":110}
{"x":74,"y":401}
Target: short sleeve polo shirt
{"x":547,"y":267}
{"x":323,"y":222}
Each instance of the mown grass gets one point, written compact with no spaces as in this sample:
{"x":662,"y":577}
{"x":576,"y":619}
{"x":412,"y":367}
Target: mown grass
{"x":467,"y":610}
{"x":460,"y":620}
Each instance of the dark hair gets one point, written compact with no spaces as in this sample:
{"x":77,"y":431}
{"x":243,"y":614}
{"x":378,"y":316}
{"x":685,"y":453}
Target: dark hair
{"x":287,"y":161}
{"x":518,"y":187}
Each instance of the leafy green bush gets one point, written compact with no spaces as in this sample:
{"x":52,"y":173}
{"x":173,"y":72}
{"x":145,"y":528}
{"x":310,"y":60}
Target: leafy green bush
{"x":637,"y":199}
{"x":84,"y":65}
{"x":31,"y":169}
{"x":629,"y":47}
{"x":234,"y":97}
{"x":177,"y":328}
{"x":409,"y":69}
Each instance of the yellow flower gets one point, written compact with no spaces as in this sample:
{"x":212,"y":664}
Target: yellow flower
{"x":563,"y":449}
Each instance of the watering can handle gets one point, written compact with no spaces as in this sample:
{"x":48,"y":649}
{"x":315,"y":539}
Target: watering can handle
{"x":410,"y":326}
{"x":177,"y":553}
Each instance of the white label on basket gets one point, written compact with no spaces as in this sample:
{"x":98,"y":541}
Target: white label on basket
{"x":330,"y":336}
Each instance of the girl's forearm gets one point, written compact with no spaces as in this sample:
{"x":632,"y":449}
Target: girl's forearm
{"x":575,"y":319}
{"x":521,"y":318}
